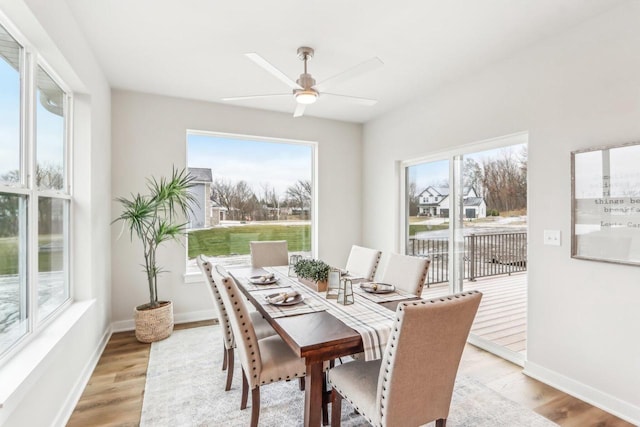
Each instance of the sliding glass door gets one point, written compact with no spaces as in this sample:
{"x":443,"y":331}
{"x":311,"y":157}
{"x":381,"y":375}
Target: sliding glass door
{"x":467,"y":212}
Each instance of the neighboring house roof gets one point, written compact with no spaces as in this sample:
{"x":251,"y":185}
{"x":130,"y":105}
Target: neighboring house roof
{"x":201,"y":174}
{"x":473,"y":201}
{"x":444,"y":191}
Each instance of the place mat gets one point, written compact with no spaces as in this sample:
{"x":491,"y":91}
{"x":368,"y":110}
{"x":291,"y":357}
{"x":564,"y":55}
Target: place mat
{"x":245,"y":283}
{"x":308,"y":305}
{"x":396,"y":295}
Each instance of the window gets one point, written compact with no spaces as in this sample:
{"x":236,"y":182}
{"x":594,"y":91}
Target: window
{"x":248,"y":189}
{"x":34,"y":194}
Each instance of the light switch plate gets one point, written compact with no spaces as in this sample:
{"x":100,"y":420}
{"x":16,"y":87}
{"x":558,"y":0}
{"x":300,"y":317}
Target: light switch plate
{"x":552,"y":237}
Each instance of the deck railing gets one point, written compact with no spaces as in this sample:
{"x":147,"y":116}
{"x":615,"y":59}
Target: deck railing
{"x":487,"y":254}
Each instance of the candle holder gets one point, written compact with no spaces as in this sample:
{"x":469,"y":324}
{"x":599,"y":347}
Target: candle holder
{"x":293,"y":260}
{"x":333,"y":284}
{"x":345,"y":292}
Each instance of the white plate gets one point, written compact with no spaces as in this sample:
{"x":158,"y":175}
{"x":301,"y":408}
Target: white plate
{"x":256,"y":280}
{"x":377,"y":287}
{"x":293,"y":301}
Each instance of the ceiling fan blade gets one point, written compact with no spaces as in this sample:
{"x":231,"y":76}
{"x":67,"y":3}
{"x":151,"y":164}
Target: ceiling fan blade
{"x":242,"y":98}
{"x":366,"y":66}
{"x":299,"y":110}
{"x":272,"y":70}
{"x":356,"y":100}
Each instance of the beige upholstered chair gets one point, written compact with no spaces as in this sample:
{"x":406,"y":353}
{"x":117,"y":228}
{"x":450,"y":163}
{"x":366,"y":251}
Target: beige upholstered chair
{"x":269,"y":253}
{"x":263,"y":361}
{"x":406,"y":272}
{"x":363,"y":262}
{"x":413,"y":383}
{"x":262,"y":327}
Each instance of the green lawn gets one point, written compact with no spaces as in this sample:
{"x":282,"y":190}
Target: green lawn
{"x":220,"y":241}
{"x":50,"y":260}
{"x":416,"y":228}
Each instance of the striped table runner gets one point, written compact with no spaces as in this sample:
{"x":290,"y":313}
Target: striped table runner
{"x":372,"y":321}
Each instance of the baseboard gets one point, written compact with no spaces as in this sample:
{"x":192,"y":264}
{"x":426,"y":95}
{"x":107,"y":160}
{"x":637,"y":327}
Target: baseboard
{"x":604,"y":401}
{"x":192,"y":316}
{"x":78,"y":388}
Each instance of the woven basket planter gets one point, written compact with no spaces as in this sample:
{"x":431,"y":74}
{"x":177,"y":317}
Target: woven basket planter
{"x":154,"y":324}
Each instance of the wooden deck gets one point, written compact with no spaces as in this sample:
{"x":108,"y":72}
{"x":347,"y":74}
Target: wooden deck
{"x":502,"y":316}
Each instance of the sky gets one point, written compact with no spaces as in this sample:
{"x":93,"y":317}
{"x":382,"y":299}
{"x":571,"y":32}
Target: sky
{"x":435,"y":173}
{"x":49,"y":132}
{"x":257,"y":162}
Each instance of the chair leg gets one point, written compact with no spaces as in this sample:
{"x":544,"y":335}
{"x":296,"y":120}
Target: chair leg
{"x":255,"y":406}
{"x":224,"y":360}
{"x":336,"y":408}
{"x":245,"y":391}
{"x":301,"y":383}
{"x":326,"y":399}
{"x":229,"y":356}
{"x":442,"y":422}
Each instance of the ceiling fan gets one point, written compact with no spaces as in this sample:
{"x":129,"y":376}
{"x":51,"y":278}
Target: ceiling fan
{"x":305,"y":91}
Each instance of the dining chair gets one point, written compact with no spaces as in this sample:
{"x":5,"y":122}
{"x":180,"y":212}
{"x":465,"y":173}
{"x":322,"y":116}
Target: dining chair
{"x":269,"y":253}
{"x":262,"y":327}
{"x":363,"y":262}
{"x":406,"y":272}
{"x":263,"y":361}
{"x":413,"y":382}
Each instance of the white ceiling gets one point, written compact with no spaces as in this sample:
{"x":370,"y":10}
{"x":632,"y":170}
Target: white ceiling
{"x":194,"y":48}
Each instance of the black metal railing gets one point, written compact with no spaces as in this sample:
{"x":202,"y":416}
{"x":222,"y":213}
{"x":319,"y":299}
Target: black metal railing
{"x":486,"y":254}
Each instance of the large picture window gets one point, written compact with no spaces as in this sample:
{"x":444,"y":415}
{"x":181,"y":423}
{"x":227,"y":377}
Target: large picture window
{"x":35,"y":197}
{"x":248,"y":189}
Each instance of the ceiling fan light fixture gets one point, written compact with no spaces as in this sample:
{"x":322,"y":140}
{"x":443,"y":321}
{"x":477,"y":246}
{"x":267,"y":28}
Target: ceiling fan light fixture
{"x":306,"y":97}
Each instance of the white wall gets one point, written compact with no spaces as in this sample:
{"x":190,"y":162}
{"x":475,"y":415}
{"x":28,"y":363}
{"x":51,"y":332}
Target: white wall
{"x":577,"y":90}
{"x":55,"y":378}
{"x":149,"y":136}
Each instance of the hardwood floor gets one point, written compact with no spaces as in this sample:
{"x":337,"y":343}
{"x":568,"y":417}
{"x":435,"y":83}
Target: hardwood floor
{"x":113,"y":396}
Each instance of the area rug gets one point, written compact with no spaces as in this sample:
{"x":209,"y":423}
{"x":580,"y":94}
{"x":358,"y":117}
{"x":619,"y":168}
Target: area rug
{"x":185,"y":387}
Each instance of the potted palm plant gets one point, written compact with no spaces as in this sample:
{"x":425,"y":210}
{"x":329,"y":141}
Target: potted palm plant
{"x":155,"y":218}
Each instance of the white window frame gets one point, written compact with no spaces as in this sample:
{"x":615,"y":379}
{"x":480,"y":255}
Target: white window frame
{"x":29,"y":62}
{"x":191,"y":277}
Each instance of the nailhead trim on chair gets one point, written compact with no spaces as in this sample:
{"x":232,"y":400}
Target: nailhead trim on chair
{"x":222,"y":312}
{"x":375,"y":267}
{"x":424,"y":278}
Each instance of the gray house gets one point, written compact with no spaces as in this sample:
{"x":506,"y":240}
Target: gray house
{"x":201,"y":216}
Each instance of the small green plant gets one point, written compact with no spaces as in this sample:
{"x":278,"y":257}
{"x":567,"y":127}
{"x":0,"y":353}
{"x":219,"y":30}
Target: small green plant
{"x":312,"y":269}
{"x":153,"y":218}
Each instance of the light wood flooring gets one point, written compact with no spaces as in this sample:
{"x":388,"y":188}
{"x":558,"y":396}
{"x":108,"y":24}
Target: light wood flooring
{"x":502,"y":315}
{"x":113,"y":396}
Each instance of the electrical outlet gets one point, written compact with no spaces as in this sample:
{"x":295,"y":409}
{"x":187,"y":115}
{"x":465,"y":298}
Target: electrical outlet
{"x":552,"y":237}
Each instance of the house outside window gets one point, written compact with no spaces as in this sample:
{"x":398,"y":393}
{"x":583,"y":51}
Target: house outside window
{"x":35,"y":194}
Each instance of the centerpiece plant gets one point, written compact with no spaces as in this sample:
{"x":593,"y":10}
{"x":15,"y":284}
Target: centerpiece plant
{"x":155,"y":218}
{"x":316,"y":273}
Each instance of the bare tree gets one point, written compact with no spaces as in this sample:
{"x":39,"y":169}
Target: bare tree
{"x":413,"y":198}
{"x":505,"y":182}
{"x":299,"y":194}
{"x":222,"y":192}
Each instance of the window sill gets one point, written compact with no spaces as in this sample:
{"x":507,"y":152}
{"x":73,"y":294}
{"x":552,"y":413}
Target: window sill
{"x":24,"y":368}
{"x":195,"y":277}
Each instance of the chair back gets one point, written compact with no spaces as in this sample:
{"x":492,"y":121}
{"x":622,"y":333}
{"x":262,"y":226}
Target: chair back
{"x":363,"y":262}
{"x":406,"y":272}
{"x":421,"y":360}
{"x":241,"y":325}
{"x":269,"y":253}
{"x":223,"y":317}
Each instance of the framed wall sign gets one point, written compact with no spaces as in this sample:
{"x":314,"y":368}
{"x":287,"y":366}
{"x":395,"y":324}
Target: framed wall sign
{"x":605,"y":192}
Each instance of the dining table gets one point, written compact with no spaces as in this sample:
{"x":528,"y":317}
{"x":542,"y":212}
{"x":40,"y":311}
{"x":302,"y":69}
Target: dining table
{"x":319,"y":329}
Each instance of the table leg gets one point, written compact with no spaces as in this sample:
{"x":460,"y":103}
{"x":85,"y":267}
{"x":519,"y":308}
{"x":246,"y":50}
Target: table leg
{"x":314,"y":389}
